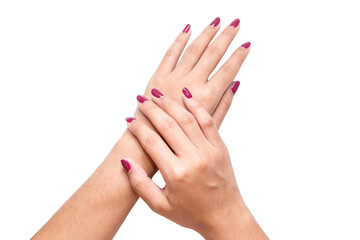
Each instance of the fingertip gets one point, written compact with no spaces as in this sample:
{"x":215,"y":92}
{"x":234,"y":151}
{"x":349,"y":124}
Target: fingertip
{"x":215,"y":23}
{"x":246,"y":45}
{"x":157,"y":93}
{"x":130,"y":119}
{"x":125,"y":163}
{"x":188,"y":99}
{"x":234,"y":87}
{"x":187,"y":28}
{"x":186,"y":92}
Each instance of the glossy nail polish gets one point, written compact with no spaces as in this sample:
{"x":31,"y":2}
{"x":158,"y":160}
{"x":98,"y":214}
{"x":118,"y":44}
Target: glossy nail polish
{"x":130,"y":119}
{"x":246,"y":45}
{"x":141,"y":99}
{"x":235,"y":23}
{"x":187,"y":28}
{"x":156,"y":93}
{"x":186,"y":92}
{"x":215,"y":22}
{"x":234,"y":86}
{"x":126,"y":165}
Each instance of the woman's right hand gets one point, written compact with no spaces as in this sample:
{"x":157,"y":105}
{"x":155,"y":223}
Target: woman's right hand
{"x":201,"y":191}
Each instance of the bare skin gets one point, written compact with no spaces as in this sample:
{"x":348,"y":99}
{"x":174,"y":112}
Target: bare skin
{"x":99,"y":207}
{"x":201,"y":192}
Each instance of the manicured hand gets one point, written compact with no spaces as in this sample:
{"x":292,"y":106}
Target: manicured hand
{"x":201,"y":191}
{"x":197,"y":63}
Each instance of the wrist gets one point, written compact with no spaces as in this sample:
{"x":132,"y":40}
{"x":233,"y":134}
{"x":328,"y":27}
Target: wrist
{"x":129,"y":147}
{"x":236,"y":222}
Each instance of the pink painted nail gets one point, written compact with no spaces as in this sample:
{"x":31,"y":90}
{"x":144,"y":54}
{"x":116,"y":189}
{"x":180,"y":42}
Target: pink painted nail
{"x":215,"y":22}
{"x":187,"y":28}
{"x":126,"y":165}
{"x":246,"y":45}
{"x":156,"y":93}
{"x":235,"y":23}
{"x":186,"y":92}
{"x":130,"y":119}
{"x":141,"y":99}
{"x":234,"y":87}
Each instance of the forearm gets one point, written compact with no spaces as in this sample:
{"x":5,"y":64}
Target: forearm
{"x":99,"y":207}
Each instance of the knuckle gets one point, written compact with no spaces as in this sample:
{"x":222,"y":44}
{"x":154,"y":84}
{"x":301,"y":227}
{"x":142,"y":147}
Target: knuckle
{"x":151,"y":140}
{"x":193,"y":49}
{"x":229,"y":33}
{"x":206,"y":100}
{"x":155,"y":80}
{"x":168,"y":124}
{"x":187,"y":119}
{"x":240,"y":53}
{"x":207,"y":122}
{"x":208,"y":31}
{"x":170,"y":52}
{"x":178,"y":174}
{"x":229,"y":69}
{"x":215,"y":51}
{"x":180,"y":40}
{"x":207,"y":95}
{"x":138,"y":184}
{"x":166,"y":103}
{"x":201,"y":165}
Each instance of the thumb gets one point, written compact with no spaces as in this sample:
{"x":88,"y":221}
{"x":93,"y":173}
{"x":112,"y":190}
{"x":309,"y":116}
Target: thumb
{"x":151,"y":193}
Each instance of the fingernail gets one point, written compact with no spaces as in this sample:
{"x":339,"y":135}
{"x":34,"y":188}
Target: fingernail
{"x":186,"y":92}
{"x":235,"y":23}
{"x":141,"y":98}
{"x":126,"y":165}
{"x":246,"y":45}
{"x":234,"y":87}
{"x":130,"y":119}
{"x":187,"y":28}
{"x":156,"y":93}
{"x":215,"y":22}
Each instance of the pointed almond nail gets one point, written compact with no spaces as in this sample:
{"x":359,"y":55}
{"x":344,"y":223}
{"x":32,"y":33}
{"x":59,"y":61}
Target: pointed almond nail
{"x":186,"y":92}
{"x":141,"y":98}
{"x":126,"y":165}
{"x":156,"y":93}
{"x":130,"y":119}
{"x":215,"y":22}
{"x":246,"y":45}
{"x":234,"y":87}
{"x":187,"y":28}
{"x":235,"y":23}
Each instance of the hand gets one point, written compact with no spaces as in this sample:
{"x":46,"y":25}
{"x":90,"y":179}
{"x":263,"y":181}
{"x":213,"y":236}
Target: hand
{"x":201,"y":191}
{"x":97,"y":200}
{"x":196,"y":65}
{"x":193,"y":70}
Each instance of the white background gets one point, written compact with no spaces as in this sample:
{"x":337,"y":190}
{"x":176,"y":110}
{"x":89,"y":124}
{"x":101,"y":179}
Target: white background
{"x":70,"y":71}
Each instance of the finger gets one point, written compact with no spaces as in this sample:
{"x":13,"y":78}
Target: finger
{"x":205,"y":121}
{"x":151,"y":193}
{"x":166,"y":125}
{"x":152,"y":143}
{"x":194,"y":51}
{"x":226,"y":74}
{"x":225,"y":103}
{"x":184,"y":119}
{"x":216,"y":50}
{"x":172,"y":55}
